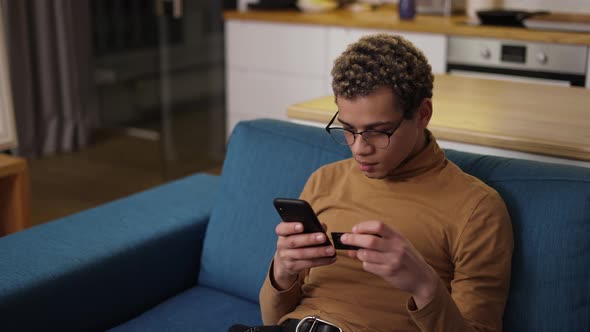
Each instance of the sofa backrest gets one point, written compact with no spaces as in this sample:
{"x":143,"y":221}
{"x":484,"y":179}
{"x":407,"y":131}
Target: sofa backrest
{"x":549,"y":205}
{"x":265,"y":159}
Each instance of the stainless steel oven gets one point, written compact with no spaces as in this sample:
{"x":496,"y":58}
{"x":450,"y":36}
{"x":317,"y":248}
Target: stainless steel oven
{"x":518,"y":60}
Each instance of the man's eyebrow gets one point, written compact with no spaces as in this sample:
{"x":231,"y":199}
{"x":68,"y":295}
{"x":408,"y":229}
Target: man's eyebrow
{"x":370,"y":125}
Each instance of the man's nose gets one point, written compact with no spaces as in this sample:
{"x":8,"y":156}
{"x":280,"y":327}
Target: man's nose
{"x":360,"y":146}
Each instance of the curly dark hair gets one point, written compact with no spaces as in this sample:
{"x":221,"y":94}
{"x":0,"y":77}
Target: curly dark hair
{"x":383,"y":60}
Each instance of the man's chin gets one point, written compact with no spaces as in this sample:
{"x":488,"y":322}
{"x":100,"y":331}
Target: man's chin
{"x":375,"y":175}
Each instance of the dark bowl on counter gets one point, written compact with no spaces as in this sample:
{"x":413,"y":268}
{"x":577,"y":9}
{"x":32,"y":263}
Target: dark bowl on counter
{"x":505,"y":17}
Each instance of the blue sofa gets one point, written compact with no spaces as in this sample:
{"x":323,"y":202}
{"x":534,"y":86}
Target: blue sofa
{"x":191,"y":255}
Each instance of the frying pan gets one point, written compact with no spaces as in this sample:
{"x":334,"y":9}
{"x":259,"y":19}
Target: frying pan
{"x":504,"y":17}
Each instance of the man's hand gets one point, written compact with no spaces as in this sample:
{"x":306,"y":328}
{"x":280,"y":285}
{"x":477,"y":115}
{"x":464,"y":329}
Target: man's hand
{"x":294,"y":255}
{"x":388,"y":254}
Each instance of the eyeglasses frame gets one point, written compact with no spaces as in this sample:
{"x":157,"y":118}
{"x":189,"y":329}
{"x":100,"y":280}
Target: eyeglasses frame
{"x":354,"y":134}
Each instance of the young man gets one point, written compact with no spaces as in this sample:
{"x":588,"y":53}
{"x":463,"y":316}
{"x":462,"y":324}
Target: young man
{"x":436,"y":243}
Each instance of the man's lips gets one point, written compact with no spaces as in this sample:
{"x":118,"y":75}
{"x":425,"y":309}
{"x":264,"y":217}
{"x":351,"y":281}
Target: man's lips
{"x":366,"y":166}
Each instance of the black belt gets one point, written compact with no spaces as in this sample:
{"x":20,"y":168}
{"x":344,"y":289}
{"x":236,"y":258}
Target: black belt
{"x":306,"y":324}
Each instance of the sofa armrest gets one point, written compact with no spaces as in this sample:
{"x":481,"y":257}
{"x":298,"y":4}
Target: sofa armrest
{"x":103,"y":266}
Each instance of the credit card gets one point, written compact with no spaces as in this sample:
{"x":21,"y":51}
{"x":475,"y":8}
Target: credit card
{"x":339,"y":245}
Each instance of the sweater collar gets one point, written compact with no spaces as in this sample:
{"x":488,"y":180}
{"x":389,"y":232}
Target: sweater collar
{"x":430,"y":157}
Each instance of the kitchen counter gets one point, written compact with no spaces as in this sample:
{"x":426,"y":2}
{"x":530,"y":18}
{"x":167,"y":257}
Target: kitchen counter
{"x":387,"y":18}
{"x":539,"y":119}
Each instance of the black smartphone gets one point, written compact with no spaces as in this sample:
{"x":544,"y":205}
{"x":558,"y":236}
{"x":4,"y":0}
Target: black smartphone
{"x":298,"y":210}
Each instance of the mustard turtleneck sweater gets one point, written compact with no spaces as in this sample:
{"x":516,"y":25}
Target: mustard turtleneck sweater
{"x":459,"y":225}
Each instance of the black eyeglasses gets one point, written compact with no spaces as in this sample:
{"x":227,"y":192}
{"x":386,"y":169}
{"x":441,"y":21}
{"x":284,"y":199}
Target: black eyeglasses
{"x":377,"y":138}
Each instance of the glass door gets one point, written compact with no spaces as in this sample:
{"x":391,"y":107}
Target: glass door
{"x":160,"y":76}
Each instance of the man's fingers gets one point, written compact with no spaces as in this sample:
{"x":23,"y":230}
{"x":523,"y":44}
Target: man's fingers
{"x":303,"y":264}
{"x":368,"y":241}
{"x":376,"y":228}
{"x":381,"y":269}
{"x":300,"y":240}
{"x":372,"y":256}
{"x":288,"y":228}
{"x":310,"y":253}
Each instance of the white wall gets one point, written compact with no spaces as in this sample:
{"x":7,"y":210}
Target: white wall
{"x":562,"y":6}
{"x":243,"y":4}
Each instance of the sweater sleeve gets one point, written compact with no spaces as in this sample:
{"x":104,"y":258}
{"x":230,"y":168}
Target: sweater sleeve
{"x":275,"y":304}
{"x":479,"y":289}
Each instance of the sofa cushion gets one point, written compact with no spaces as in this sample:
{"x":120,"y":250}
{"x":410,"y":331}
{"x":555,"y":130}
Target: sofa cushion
{"x":240,"y":239}
{"x":550,"y":209}
{"x":197,"y":309}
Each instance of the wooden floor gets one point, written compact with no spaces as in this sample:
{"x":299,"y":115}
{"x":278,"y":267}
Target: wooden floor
{"x":113,"y":167}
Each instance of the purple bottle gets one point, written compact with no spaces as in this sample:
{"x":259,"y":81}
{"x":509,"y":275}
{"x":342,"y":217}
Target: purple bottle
{"x":407,"y":9}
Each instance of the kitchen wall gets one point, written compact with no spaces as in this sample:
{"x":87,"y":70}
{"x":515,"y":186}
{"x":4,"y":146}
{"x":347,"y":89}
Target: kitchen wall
{"x":562,"y":6}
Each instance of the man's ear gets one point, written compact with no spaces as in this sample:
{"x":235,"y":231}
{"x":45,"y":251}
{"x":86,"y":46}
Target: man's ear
{"x":424,"y":113}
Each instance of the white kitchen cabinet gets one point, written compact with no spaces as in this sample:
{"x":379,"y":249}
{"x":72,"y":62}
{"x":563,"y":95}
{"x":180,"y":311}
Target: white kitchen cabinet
{"x":276,"y":47}
{"x":256,"y":94}
{"x":271,"y":66}
{"x":434,"y":46}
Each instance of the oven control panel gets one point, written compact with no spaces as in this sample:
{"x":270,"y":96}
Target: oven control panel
{"x":519,"y":55}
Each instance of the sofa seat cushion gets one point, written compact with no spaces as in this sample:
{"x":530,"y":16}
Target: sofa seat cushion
{"x":197,"y":309}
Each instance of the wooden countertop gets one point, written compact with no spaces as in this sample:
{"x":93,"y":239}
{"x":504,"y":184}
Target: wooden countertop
{"x":534,"y":118}
{"x":387,"y":18}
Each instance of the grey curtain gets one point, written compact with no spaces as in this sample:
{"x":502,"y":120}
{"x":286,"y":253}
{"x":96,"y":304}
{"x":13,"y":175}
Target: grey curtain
{"x":52,"y":74}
